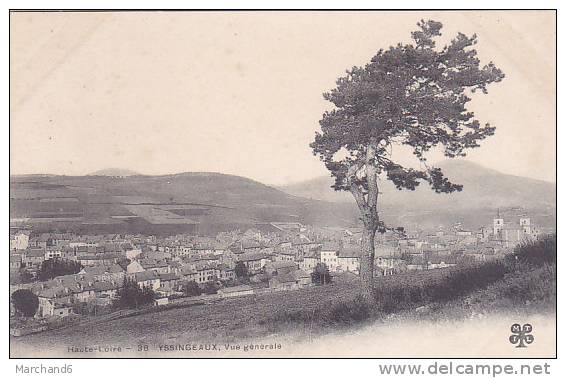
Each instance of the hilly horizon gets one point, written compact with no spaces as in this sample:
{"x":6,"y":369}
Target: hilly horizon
{"x":316,"y":188}
{"x":485,"y":190}
{"x":192,"y":202}
{"x":114,"y":172}
{"x":207,"y":202}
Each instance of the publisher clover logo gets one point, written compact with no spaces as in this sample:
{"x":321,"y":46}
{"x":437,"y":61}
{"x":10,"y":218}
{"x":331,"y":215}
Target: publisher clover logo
{"x":521,"y":335}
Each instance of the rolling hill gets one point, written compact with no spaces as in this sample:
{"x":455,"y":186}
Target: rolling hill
{"x":485,"y":191}
{"x":206,"y":203}
{"x":114,"y":172}
{"x":188,"y":202}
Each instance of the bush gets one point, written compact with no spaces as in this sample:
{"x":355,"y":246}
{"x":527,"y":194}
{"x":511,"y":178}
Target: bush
{"x":321,"y":275}
{"x":468,"y":279}
{"x":285,"y":316}
{"x":25,"y":276}
{"x":402,"y":292}
{"x":241,"y":270}
{"x":355,"y":310}
{"x":25,"y":302}
{"x":80,"y":308}
{"x":210,"y":288}
{"x":191,"y":289}
{"x":326,"y":314}
{"x":398,"y":295}
{"x":537,"y":286}
{"x":131,"y":295}
{"x":535,"y":252}
{"x":57,"y":267}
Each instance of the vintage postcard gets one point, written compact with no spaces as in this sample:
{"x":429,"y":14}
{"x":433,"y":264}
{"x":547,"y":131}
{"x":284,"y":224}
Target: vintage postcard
{"x":189,"y":184}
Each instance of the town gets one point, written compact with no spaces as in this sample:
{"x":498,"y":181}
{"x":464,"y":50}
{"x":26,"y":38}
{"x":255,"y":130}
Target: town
{"x":285,"y":257}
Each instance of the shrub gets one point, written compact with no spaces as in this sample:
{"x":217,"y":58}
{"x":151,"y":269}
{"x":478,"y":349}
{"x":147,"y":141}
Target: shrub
{"x":467,"y":279}
{"x":355,"y":310}
{"x":536,"y":285}
{"x":327,"y":313}
{"x":25,"y":276}
{"x":399,"y":295}
{"x":80,"y":308}
{"x":536,"y":252}
{"x":321,"y":275}
{"x":25,"y":302}
{"x":210,"y":288}
{"x":285,"y":316}
{"x":57,"y":267}
{"x":241,"y":270}
{"x":191,"y":289}
{"x":131,"y":295}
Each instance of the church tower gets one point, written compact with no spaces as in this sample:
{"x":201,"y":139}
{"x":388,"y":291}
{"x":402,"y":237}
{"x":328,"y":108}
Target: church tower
{"x":525,"y":224}
{"x":497,"y":224}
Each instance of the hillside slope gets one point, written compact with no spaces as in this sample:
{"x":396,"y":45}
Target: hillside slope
{"x":485,"y":191}
{"x":114,"y":172}
{"x":210,"y":202}
{"x":187,"y":202}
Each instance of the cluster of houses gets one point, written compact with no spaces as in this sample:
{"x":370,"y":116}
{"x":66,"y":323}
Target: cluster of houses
{"x":273,"y":261}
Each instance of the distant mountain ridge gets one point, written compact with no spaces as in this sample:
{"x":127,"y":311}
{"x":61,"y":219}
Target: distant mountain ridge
{"x":485,"y":190}
{"x":205,"y":203}
{"x":192,"y":202}
{"x":117,"y":172}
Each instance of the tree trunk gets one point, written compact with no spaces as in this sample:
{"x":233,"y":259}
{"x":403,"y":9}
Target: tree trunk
{"x":366,"y":263}
{"x":367,"y":204}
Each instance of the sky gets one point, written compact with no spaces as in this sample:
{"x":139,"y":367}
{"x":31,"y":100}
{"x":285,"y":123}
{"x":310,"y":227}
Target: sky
{"x":241,"y":92}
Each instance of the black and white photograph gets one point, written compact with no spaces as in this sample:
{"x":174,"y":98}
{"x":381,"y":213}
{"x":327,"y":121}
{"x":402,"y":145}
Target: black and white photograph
{"x":282,"y":184}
